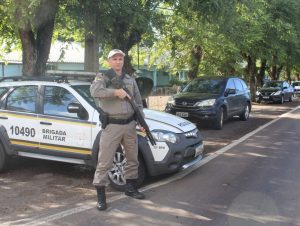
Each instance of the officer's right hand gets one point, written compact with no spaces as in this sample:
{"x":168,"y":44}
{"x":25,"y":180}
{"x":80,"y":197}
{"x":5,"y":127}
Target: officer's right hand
{"x":121,"y":93}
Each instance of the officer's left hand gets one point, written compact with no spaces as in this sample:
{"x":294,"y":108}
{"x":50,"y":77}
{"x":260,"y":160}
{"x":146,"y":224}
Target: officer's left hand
{"x":142,"y":128}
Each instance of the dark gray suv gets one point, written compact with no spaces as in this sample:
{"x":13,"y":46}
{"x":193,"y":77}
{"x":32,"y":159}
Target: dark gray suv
{"x":212,"y":99}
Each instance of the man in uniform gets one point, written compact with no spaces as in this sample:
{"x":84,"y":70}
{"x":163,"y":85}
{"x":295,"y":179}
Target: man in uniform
{"x":120,"y":129}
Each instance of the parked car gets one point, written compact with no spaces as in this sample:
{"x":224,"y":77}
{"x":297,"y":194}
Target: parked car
{"x":275,"y":91}
{"x":55,"y":119}
{"x":296,"y":86}
{"x":212,"y":98}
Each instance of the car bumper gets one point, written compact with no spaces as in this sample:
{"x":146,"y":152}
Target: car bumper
{"x":178,"y":156}
{"x":271,"y":98}
{"x":194,"y":114}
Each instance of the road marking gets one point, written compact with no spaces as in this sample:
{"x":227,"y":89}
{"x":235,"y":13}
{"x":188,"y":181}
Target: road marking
{"x":91,"y":204}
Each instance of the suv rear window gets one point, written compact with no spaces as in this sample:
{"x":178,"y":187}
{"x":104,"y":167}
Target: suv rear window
{"x":205,"y":86}
{"x":23,"y":99}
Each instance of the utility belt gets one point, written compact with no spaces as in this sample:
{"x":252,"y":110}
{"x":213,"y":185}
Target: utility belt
{"x":120,"y":121}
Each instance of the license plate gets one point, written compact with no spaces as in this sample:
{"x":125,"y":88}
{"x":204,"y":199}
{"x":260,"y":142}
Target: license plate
{"x":182,"y":114}
{"x":266,"y":98}
{"x":199,"y":150}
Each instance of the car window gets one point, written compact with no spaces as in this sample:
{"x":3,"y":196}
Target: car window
{"x":22,"y":99}
{"x":56,"y":101}
{"x":204,"y":86}
{"x":238,"y":85}
{"x":230,"y":84}
{"x":273,"y":85}
{"x":84,"y":91}
{"x":245,"y":87}
{"x":296,"y":84}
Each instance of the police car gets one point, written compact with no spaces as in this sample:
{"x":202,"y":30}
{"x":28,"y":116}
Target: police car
{"x":54,"y":118}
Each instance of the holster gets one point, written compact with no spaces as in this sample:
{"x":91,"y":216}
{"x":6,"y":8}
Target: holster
{"x":103,"y":117}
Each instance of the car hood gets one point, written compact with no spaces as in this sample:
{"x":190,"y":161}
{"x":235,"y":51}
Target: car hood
{"x":157,"y":120}
{"x":195,"y":96}
{"x":297,"y":87}
{"x":269,"y":89}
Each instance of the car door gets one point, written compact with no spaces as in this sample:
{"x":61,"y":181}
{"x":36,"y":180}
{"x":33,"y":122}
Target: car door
{"x":231,"y":99}
{"x":286,"y":90}
{"x":240,"y":97}
{"x":64,"y":134}
{"x":18,"y":115}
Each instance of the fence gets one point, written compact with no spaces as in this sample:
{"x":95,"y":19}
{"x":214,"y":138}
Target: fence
{"x":159,"y":97}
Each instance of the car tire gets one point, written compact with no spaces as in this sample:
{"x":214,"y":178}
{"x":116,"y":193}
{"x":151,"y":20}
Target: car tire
{"x":220,"y":119}
{"x":244,"y":116}
{"x":3,"y":159}
{"x":116,"y":174}
{"x":281,"y":100}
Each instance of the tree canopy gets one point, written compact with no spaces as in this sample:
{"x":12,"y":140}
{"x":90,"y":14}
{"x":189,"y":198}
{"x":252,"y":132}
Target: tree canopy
{"x":253,"y":39}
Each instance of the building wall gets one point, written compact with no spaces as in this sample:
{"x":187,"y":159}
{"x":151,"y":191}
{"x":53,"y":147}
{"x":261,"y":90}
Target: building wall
{"x":11,"y":69}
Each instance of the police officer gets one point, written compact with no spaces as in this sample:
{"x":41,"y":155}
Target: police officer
{"x":120,"y":129}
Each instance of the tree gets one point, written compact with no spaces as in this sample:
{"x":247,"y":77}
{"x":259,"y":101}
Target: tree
{"x":33,"y":23}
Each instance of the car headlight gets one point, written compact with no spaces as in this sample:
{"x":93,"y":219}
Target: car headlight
{"x":257,"y":93}
{"x":171,"y":101}
{"x":165,"y":136}
{"x":206,"y":103}
{"x":276,"y":93}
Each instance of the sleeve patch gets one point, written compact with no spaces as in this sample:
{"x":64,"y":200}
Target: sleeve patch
{"x":99,"y":77}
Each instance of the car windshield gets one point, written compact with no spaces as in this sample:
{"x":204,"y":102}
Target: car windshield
{"x":273,"y":85}
{"x":84,"y":91}
{"x":296,"y":84}
{"x":204,"y":86}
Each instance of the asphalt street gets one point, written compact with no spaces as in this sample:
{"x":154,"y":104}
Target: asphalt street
{"x":254,"y":181}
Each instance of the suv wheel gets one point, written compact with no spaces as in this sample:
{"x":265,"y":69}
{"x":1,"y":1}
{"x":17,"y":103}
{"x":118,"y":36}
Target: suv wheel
{"x":220,"y":119}
{"x":246,"y":113}
{"x":116,"y":174}
{"x":281,"y":100}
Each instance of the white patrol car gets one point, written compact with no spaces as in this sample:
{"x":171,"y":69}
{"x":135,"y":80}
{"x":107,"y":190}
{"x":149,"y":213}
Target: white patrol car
{"x":55,"y":119}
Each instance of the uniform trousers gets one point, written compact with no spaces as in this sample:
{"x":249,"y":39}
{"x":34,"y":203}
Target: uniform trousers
{"x":111,"y":137}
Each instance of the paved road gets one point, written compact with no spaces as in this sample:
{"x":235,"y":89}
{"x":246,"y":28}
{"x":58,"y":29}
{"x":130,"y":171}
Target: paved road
{"x":254,"y":181}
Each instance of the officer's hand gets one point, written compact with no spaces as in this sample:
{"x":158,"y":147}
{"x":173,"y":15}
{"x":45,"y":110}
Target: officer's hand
{"x":141,"y":128}
{"x":121,"y":93}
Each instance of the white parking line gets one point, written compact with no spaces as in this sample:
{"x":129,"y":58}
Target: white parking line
{"x":89,"y":205}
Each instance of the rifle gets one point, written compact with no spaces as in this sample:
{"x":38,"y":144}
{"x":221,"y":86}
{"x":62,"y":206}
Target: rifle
{"x":117,"y":83}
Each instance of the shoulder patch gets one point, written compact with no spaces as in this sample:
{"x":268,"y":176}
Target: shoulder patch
{"x":99,"y":77}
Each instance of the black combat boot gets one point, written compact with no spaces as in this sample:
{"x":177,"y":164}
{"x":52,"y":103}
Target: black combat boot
{"x":132,"y":191}
{"x":101,"y":204}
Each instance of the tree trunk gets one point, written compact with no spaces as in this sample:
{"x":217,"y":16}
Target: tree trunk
{"x":261,"y":74}
{"x":288,"y":74}
{"x":273,"y":73}
{"x":251,"y":71}
{"x":29,"y":52}
{"x":91,"y":50}
{"x":36,"y":36}
{"x":279,"y":69}
{"x":196,"y":56}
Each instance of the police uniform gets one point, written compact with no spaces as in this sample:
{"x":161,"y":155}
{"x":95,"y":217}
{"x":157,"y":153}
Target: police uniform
{"x":121,"y":127}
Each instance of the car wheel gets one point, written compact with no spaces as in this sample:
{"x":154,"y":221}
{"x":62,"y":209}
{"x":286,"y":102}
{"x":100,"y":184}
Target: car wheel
{"x":3,"y":159}
{"x":246,"y":113}
{"x":281,"y":100}
{"x":220,"y":119}
{"x":116,"y":174}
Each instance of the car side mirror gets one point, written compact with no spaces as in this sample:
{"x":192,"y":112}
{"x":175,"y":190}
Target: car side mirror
{"x":229,"y":92}
{"x":79,"y":109}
